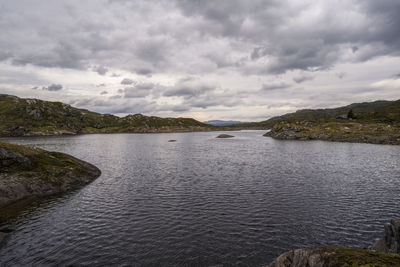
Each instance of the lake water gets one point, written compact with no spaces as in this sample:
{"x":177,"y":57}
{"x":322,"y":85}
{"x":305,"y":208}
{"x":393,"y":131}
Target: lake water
{"x":203,"y":201}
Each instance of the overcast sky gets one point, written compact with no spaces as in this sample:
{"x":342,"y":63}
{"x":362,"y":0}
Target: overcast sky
{"x":225,"y":59}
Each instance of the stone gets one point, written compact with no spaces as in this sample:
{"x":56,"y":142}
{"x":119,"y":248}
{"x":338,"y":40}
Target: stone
{"x":335,"y":257}
{"x":224,"y":136}
{"x":390,"y":243}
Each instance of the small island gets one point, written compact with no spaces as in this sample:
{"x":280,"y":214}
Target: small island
{"x":224,"y":136}
{"x":33,"y":172}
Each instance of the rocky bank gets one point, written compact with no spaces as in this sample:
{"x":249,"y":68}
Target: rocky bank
{"x":390,"y":243}
{"x":385,"y":252}
{"x":375,"y":133}
{"x":28,"y":171}
{"x":335,"y":257}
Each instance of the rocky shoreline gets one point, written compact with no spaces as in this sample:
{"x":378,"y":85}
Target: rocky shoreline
{"x":28,"y":171}
{"x":337,"y":132}
{"x":24,"y":132}
{"x":385,"y":252}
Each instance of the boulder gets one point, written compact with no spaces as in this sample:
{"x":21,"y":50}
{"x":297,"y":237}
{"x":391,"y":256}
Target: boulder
{"x":224,"y":136}
{"x":390,"y":243}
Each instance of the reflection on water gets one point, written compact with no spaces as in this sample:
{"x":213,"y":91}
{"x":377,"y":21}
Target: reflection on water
{"x":202,"y":201}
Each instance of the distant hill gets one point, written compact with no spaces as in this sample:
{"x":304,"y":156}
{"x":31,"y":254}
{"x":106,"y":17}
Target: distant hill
{"x":223,"y":123}
{"x":374,"y":112}
{"x":30,"y":117}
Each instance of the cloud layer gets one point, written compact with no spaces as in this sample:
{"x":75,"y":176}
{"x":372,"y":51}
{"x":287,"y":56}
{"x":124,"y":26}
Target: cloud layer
{"x":206,"y":58}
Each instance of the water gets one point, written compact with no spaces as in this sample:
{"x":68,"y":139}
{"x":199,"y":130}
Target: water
{"x":203,"y":201}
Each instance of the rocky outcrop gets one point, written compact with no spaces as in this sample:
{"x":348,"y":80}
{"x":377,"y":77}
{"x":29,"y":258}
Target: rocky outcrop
{"x":390,"y":243}
{"x":382,"y":253}
{"x":335,"y":257}
{"x":224,"y":136}
{"x":338,"y":132}
{"x":28,"y":171}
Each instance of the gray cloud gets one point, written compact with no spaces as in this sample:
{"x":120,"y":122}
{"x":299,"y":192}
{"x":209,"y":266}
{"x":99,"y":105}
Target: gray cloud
{"x":287,"y":33}
{"x":274,"y":86}
{"x":228,"y":46}
{"x":101,"y":70}
{"x":53,"y":87}
{"x":341,"y":75}
{"x":127,"y":81}
{"x":188,"y":91}
{"x":115,"y":97}
{"x":303,"y":78}
{"x":104,"y":93}
{"x":138,"y":91}
{"x":146,"y":72}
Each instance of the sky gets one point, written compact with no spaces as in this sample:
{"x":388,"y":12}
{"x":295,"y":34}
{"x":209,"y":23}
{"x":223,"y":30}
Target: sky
{"x":225,"y":59}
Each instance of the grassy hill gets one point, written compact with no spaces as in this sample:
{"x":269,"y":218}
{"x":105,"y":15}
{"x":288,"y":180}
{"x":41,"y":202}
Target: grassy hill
{"x":375,"y":122}
{"x":29,"y":117}
{"x":367,"y":112}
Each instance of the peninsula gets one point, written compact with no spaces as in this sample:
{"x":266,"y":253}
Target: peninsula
{"x":32,"y":172}
{"x":374,"y":122}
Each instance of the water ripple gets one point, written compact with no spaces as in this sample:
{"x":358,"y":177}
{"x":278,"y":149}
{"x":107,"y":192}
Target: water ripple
{"x":203,"y":201}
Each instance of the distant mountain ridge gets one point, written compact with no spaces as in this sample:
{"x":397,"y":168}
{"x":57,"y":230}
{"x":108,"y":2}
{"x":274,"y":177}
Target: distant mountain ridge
{"x":30,"y":117}
{"x":373,"y":112}
{"x":223,"y":123}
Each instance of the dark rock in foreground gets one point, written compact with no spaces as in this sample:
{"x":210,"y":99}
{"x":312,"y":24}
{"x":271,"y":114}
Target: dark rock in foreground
{"x":224,"y":136}
{"x":28,"y":171}
{"x":390,"y":243}
{"x":335,"y":257}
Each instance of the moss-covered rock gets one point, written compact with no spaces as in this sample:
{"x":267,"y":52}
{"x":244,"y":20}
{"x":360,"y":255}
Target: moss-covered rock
{"x":390,"y":243}
{"x":28,"y":171}
{"x":335,"y":257}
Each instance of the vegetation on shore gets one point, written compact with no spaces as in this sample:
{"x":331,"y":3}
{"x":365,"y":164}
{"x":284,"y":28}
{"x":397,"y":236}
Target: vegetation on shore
{"x":348,"y":131}
{"x":32,"y":172}
{"x":387,"y":112}
{"x":335,"y":257}
{"x":376,"y":122}
{"x":31,"y":117}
